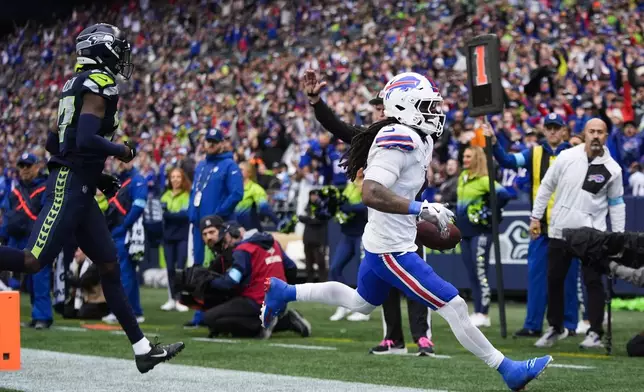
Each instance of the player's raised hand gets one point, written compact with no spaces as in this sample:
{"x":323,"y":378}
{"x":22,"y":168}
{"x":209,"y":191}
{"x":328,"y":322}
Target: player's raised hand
{"x":488,"y":132}
{"x":437,"y":214}
{"x":312,"y":85}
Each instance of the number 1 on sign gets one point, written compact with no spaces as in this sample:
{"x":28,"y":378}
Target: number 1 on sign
{"x":481,"y":70}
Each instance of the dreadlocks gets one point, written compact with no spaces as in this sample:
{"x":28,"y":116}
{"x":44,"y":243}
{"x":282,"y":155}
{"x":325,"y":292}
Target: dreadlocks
{"x":356,"y":156}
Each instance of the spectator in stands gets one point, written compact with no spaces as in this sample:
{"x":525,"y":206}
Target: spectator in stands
{"x":254,"y":205}
{"x":473,"y":218}
{"x":316,"y":164}
{"x":176,"y":229}
{"x":636,"y":180}
{"x":447,"y":191}
{"x":217,"y":189}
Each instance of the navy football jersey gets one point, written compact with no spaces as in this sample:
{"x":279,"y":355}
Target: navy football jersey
{"x":87,"y":163}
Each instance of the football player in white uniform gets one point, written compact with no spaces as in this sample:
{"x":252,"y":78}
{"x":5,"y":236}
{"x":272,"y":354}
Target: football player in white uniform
{"x":395,"y":153}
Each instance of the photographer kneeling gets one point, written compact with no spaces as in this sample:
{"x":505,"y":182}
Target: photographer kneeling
{"x":255,"y":257}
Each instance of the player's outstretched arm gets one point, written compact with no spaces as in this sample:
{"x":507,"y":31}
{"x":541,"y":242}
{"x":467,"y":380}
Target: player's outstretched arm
{"x":378,"y":197}
{"x":89,"y":124}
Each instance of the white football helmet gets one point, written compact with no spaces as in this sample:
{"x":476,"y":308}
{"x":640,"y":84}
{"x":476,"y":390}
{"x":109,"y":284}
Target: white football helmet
{"x":413,"y":100}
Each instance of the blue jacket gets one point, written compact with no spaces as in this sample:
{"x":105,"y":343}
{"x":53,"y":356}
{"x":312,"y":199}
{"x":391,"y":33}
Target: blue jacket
{"x":138,"y":193}
{"x":17,"y":223}
{"x":223,"y":190}
{"x":524,"y":158}
{"x":625,"y":150}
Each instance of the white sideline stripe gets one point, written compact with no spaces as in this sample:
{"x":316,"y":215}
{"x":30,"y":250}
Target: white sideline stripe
{"x":46,"y":371}
{"x":578,"y":367}
{"x":437,"y":356}
{"x":215,"y":340}
{"x":70,"y":329}
{"x":303,"y":346}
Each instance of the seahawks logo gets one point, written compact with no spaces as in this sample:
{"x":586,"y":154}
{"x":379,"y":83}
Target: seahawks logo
{"x":514,"y":241}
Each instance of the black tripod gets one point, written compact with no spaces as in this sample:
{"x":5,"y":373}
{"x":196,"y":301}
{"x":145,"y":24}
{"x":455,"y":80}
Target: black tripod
{"x":609,"y":328}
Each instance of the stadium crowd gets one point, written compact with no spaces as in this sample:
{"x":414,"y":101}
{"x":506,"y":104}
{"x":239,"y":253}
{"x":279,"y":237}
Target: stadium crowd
{"x":236,"y":66}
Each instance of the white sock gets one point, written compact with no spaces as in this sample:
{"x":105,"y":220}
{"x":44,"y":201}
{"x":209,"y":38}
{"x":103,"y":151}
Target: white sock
{"x":333,"y":293}
{"x":142,"y":347}
{"x":470,"y":337}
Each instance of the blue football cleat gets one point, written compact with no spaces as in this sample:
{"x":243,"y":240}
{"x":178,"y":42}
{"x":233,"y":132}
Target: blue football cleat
{"x":275,"y":300}
{"x":517,"y":374}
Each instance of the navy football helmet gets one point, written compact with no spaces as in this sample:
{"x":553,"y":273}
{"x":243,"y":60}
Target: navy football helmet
{"x":104,"y":46}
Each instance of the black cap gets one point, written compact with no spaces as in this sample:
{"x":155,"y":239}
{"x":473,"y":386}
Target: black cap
{"x":210,"y":221}
{"x":231,"y":227}
{"x":378,"y":99}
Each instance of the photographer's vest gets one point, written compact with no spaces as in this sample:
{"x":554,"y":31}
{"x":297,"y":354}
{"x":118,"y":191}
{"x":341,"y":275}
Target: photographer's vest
{"x":119,"y":206}
{"x":27,"y":203}
{"x":265,"y":263}
{"x":541,"y":161}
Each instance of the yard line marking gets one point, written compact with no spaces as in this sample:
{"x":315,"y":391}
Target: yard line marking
{"x":437,"y":356}
{"x":303,"y":346}
{"x":578,"y":367}
{"x":215,"y":340}
{"x":70,"y":329}
{"x":46,"y":371}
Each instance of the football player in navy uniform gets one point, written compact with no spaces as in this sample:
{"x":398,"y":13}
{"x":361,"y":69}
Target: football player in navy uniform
{"x":87,"y":121}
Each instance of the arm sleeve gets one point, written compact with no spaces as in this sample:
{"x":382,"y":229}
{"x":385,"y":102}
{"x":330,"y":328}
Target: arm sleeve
{"x":616,"y":206}
{"x":236,"y":275}
{"x":511,"y":161}
{"x":87,"y":137}
{"x":332,"y":123}
{"x":385,"y":166}
{"x":235,"y":187}
{"x":548,"y":186}
{"x":139,"y":195}
{"x":52,"y":143}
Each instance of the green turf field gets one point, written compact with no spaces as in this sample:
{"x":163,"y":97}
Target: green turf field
{"x":352,"y":340}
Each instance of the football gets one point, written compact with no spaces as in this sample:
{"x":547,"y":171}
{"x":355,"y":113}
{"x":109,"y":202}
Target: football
{"x":429,"y":236}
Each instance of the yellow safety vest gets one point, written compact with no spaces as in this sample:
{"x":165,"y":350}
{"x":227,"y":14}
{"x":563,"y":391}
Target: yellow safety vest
{"x":541,"y":161}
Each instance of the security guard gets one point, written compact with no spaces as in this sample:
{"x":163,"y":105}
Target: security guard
{"x":21,"y":207}
{"x":536,"y":160}
{"x":124,"y":209}
{"x":216,"y":190}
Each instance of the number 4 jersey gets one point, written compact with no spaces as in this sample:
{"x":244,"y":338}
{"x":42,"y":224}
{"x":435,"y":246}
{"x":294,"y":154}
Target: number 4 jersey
{"x":86,"y":163}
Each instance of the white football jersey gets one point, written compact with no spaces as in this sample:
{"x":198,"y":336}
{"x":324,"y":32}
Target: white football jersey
{"x":398,"y":159}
